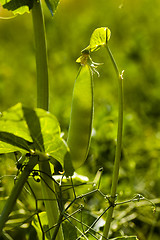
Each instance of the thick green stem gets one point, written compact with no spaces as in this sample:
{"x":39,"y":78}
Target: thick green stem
{"x":118,"y":149}
{"x":16,"y":191}
{"x":48,"y":189}
{"x":41,"y":56}
{"x":51,"y":203}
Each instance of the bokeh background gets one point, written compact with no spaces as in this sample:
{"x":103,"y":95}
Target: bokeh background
{"x":135,"y":45}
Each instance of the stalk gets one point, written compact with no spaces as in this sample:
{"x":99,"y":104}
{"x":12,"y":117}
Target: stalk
{"x":41,"y":56}
{"x":16,"y":191}
{"x":118,"y":149}
{"x":48,"y":190}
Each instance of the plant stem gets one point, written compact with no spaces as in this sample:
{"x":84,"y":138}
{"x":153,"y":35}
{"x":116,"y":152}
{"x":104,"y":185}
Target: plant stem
{"x":118,"y":149}
{"x":51,"y":204}
{"x":17,"y":190}
{"x":41,"y":56}
{"x":48,"y":190}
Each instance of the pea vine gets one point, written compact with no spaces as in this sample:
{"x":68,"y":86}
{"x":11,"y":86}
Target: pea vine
{"x":35,"y":135}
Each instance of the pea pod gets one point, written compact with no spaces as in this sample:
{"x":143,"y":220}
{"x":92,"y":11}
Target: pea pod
{"x":81,"y":116}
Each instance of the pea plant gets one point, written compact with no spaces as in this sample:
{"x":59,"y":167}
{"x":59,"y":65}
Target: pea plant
{"x":43,"y":157}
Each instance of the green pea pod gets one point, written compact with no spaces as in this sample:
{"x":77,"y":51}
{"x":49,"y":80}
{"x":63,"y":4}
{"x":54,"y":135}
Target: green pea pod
{"x":81,"y":116}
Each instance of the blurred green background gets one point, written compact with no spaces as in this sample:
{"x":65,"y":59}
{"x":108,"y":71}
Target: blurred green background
{"x":135,"y":45}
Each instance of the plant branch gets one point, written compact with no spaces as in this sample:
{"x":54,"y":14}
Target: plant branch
{"x":118,"y":149}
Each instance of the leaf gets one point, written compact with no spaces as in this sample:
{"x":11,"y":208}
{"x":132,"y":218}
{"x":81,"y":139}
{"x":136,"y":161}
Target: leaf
{"x":44,"y":224}
{"x":125,"y":238}
{"x":8,"y":148}
{"x":17,"y":6}
{"x":54,"y":145}
{"x":23,"y":129}
{"x":14,"y":134}
{"x":52,"y":5}
{"x":34,"y":127}
{"x":70,"y":232}
{"x":12,"y":121}
{"x":99,"y":38}
{"x":14,"y":141}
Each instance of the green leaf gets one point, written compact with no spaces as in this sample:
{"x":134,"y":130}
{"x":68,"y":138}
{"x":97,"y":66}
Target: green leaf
{"x":8,"y":148}
{"x":52,"y":5}
{"x":125,"y":238}
{"x":12,"y":121}
{"x":22,"y":129}
{"x":14,"y":134}
{"x":99,"y":38}
{"x":17,"y":6}
{"x":34,"y":127}
{"x":44,"y":224}
{"x":54,"y":145}
{"x":70,"y":232}
{"x":13,"y":140}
